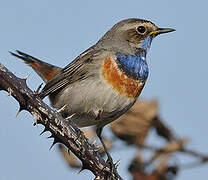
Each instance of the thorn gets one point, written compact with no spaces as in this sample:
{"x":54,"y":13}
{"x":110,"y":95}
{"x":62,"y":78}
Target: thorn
{"x":36,"y":116}
{"x":38,"y":89}
{"x":26,"y":77}
{"x":117,"y":163}
{"x":51,"y":136}
{"x":71,"y":122}
{"x":98,"y":148}
{"x":44,"y":130}
{"x":36,"y":123}
{"x":18,"y":112}
{"x":52,"y":146}
{"x":69,"y":117}
{"x":62,"y":108}
{"x":94,"y":142}
{"x":54,"y":142}
{"x":82,"y":168}
{"x":10,"y":91}
{"x":10,"y":52}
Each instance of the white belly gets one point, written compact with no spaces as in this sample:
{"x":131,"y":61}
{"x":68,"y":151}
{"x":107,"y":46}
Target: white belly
{"x":86,"y":99}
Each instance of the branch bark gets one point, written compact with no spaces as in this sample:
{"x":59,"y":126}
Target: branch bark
{"x":61,"y":130}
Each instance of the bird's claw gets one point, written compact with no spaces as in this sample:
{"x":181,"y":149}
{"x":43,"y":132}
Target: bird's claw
{"x":111,"y":165}
{"x":111,"y":168}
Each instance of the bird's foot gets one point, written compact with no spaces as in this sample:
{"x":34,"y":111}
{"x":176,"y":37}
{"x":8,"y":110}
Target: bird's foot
{"x":111,"y":165}
{"x":110,"y":161}
{"x":111,"y":168}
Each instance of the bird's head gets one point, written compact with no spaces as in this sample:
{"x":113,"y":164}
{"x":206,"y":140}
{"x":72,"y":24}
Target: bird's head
{"x":131,"y":35}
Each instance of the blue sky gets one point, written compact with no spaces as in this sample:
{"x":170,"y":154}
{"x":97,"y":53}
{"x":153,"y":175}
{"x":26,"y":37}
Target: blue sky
{"x":58,"y":31}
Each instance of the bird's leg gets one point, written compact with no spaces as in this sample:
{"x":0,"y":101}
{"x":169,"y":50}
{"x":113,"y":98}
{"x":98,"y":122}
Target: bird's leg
{"x":109,"y":160}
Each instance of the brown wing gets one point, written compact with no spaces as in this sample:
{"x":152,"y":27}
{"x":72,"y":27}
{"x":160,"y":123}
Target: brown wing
{"x":77,"y":70}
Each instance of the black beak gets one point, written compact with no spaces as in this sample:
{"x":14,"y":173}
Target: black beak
{"x":162,"y":30}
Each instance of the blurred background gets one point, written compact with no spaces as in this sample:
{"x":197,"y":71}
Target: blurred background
{"x":58,"y":31}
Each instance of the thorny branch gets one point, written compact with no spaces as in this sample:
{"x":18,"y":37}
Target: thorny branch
{"x":60,"y":129}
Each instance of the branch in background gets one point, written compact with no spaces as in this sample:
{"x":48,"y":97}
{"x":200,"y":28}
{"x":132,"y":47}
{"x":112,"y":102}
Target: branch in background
{"x":133,"y":128}
{"x":60,"y":129}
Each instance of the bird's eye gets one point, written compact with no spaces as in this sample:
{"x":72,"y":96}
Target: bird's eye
{"x":141,"y":29}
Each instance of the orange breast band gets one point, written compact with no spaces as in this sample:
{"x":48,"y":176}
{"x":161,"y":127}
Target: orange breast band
{"x":119,"y":81}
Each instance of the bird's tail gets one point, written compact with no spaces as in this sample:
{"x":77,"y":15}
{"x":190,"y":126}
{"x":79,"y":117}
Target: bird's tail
{"x":45,"y":71}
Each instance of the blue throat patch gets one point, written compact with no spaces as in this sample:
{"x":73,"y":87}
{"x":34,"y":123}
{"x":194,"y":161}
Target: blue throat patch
{"x":146,"y":43}
{"x":135,"y":66}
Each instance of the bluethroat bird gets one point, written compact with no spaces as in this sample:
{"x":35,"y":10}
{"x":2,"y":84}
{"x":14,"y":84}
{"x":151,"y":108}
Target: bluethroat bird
{"x":104,"y":81}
